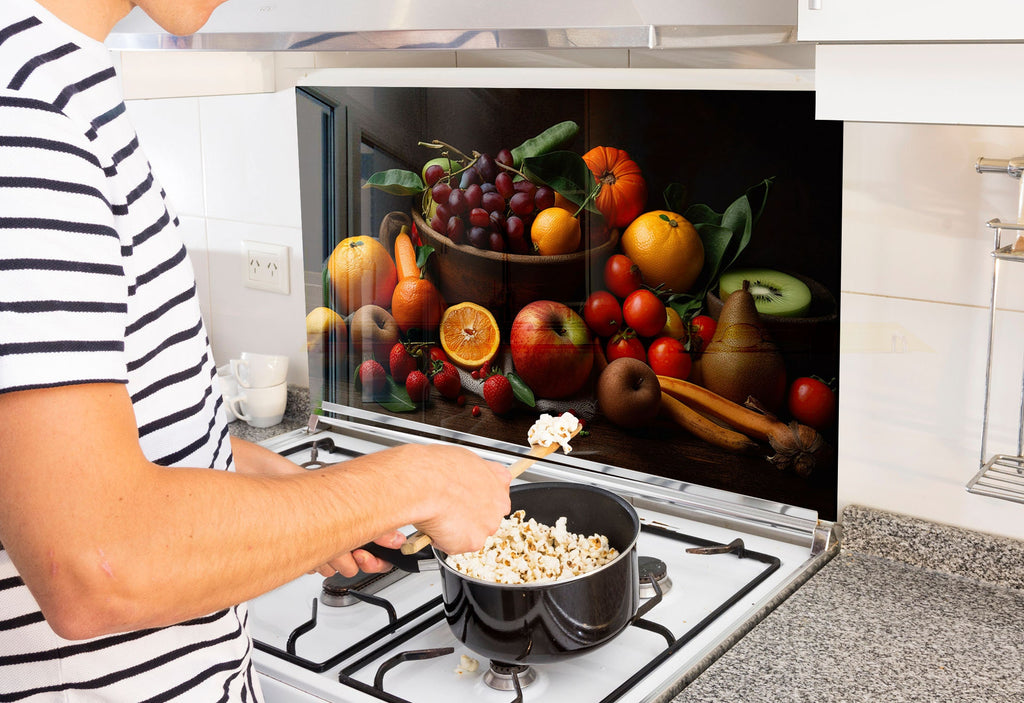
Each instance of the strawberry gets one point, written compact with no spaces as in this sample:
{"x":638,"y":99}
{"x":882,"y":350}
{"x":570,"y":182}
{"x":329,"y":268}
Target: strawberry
{"x":446,"y":379}
{"x":498,"y":393}
{"x":372,"y":377}
{"x":401,"y":362}
{"x":418,"y":386}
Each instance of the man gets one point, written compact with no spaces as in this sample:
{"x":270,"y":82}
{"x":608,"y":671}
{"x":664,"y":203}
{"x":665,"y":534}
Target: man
{"x":124,"y":556}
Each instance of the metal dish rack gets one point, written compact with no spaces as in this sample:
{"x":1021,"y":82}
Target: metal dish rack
{"x":1001,"y":475}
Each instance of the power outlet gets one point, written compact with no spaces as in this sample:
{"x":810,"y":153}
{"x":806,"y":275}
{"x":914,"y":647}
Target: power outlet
{"x":265,"y":266}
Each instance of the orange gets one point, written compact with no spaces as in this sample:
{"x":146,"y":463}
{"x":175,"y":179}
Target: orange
{"x":361,"y":272}
{"x":555,"y":231}
{"x":469,"y":335}
{"x":416,"y":302}
{"x":666,"y":248}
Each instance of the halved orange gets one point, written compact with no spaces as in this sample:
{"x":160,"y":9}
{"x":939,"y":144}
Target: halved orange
{"x":469,"y":335}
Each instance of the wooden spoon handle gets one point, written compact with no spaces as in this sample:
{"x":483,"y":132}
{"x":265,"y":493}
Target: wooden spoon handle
{"x":418,"y":540}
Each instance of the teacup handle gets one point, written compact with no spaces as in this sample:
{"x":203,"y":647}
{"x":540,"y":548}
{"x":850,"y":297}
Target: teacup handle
{"x":235,"y":403}
{"x":240,"y":370}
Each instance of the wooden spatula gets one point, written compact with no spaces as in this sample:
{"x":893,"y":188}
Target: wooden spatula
{"x":418,"y":540}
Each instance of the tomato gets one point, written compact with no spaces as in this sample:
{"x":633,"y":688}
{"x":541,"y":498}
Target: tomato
{"x":702,"y":331}
{"x":603,"y":313}
{"x":812,"y":402}
{"x":668,"y":357}
{"x":437,"y":354}
{"x":625,"y":344}
{"x":621,"y":275}
{"x":644,"y":312}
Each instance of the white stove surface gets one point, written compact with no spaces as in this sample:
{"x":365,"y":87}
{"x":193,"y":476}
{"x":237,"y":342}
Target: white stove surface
{"x":700,"y":584}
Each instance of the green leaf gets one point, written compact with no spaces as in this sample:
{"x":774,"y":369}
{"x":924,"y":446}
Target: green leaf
{"x":396,"y":398}
{"x":326,"y":283}
{"x":554,"y":137}
{"x":520,"y":390}
{"x":724,"y":236}
{"x":688,"y":306}
{"x":396,"y":181}
{"x":422,"y":254}
{"x":567,"y":173}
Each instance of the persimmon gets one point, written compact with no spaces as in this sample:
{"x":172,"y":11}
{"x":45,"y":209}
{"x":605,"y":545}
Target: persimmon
{"x":623,"y":193}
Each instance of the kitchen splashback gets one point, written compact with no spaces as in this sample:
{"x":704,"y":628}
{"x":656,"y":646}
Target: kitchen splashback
{"x":697,"y":148}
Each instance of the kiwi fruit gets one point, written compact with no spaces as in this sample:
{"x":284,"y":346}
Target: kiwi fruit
{"x":774,"y":292}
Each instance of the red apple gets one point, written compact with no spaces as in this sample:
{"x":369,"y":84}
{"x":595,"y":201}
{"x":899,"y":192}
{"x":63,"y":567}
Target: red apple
{"x":551,"y":348}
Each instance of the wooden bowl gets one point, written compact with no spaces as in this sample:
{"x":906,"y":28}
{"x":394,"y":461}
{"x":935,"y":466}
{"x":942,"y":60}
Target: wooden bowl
{"x":503,"y":283}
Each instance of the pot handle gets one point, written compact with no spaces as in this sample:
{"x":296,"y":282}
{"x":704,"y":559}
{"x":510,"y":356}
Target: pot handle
{"x":414,"y":563}
{"x":650,"y":603}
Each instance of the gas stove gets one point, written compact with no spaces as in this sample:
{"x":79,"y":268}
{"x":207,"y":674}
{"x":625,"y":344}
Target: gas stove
{"x":712,"y":565}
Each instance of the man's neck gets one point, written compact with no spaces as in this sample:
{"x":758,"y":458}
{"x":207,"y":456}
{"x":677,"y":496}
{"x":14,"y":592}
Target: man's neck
{"x":94,"y":18}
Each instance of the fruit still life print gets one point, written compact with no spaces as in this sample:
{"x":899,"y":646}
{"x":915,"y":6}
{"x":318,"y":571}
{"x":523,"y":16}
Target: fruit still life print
{"x":552,"y":275}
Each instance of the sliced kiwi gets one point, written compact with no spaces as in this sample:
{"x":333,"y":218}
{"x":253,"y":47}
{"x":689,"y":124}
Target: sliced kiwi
{"x":775,"y":293}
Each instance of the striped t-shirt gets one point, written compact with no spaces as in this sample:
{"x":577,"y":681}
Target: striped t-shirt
{"x":96,"y":286}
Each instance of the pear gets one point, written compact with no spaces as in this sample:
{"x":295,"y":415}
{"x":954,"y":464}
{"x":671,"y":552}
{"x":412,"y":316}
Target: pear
{"x":741,"y":359}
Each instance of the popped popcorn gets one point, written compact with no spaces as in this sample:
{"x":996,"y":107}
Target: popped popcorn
{"x":550,"y":430}
{"x":467,"y":665}
{"x":525,"y":551}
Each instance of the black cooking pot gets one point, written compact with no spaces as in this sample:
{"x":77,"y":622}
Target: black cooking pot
{"x":542,"y":622}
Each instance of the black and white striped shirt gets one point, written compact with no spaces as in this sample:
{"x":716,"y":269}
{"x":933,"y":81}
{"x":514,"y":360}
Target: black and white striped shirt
{"x":95,"y":286}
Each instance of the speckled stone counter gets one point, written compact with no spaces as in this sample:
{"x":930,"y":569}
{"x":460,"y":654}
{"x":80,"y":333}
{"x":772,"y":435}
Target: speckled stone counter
{"x":908,"y":611}
{"x":296,"y":415}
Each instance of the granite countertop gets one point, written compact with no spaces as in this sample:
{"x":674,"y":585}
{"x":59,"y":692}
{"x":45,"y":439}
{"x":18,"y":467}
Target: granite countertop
{"x":909,"y":610}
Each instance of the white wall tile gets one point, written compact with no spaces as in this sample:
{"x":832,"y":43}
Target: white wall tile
{"x":245,"y":319}
{"x":250,"y":158}
{"x":910,"y":421}
{"x":914,"y":210}
{"x":168,"y":130}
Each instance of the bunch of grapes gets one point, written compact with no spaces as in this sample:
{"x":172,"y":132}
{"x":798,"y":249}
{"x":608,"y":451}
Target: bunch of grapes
{"x":491,"y":207}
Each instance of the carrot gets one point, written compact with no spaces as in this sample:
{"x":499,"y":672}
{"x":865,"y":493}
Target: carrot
{"x":797,"y":446}
{"x":703,"y":428}
{"x":405,"y":255}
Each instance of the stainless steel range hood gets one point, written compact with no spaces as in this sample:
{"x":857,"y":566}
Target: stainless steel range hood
{"x":358,"y":25}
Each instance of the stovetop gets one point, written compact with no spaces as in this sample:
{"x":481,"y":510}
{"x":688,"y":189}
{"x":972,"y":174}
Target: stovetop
{"x":392,"y":643}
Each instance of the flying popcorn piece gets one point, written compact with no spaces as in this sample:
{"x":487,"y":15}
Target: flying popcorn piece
{"x":548,"y":430}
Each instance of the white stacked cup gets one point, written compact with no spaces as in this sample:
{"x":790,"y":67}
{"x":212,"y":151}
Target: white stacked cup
{"x":262,"y":390}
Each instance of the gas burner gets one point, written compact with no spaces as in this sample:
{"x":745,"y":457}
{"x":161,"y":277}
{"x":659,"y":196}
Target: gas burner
{"x":502,"y":677}
{"x":653,"y":568}
{"x":340,"y":591}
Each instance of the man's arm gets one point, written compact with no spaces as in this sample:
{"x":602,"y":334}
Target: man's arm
{"x":250,"y":458}
{"x":98,"y":532}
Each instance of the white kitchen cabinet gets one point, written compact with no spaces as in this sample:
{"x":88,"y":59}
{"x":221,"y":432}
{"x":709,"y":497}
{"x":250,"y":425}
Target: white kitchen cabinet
{"x":930,"y":83}
{"x":910,"y":21}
